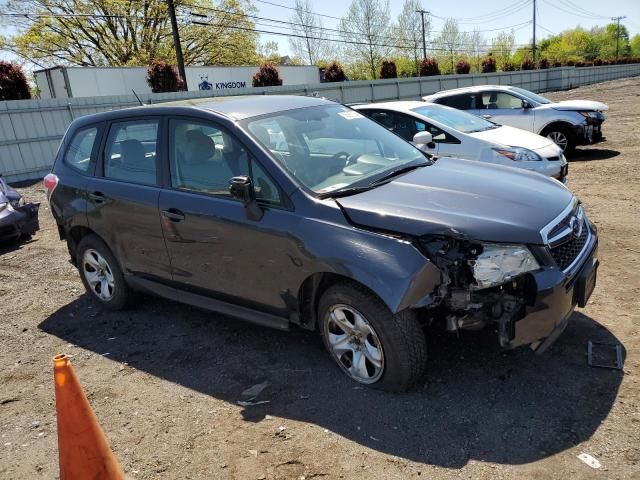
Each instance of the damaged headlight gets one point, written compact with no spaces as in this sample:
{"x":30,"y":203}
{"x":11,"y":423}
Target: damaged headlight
{"x":518,"y":154}
{"x":17,"y":203}
{"x":497,"y":264}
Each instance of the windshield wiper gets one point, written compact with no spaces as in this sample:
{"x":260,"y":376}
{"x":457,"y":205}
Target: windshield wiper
{"x":346,"y":191}
{"x":398,"y":171}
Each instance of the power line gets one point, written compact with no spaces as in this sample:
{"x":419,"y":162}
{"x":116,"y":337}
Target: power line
{"x":492,"y":15}
{"x":573,"y":6}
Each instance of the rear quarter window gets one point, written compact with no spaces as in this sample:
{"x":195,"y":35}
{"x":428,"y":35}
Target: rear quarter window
{"x":78,"y":154}
{"x":461,"y":102}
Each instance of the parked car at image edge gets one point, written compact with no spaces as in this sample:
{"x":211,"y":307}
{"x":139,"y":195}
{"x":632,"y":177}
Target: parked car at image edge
{"x":286,"y":210}
{"x":568,"y":123}
{"x":17,"y":217}
{"x":448,"y":132}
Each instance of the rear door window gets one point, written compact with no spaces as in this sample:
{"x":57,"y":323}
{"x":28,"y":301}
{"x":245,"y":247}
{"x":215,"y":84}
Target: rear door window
{"x":130,"y":151}
{"x":463,"y":101}
{"x":78,"y":154}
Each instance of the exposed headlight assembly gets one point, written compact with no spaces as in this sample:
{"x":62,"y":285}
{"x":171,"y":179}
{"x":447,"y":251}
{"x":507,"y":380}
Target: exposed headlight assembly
{"x":18,"y":203}
{"x":518,"y":154}
{"x":590,"y":114}
{"x":497,"y":264}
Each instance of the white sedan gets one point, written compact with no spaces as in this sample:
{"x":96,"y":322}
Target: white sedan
{"x":447,"y":132}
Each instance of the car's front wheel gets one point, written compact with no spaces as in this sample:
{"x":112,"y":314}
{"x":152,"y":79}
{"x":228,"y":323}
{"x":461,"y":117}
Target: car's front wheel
{"x":562,"y":137}
{"x":101,"y":273}
{"x":368,"y":342}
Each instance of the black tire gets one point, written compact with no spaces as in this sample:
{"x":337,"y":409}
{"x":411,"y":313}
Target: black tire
{"x":401,"y":336}
{"x":120,"y":292}
{"x":559,"y":131}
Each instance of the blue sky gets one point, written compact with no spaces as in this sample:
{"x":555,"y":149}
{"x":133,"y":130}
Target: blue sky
{"x":553,"y":16}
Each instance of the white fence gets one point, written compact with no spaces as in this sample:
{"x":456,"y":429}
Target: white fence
{"x":30,"y":130}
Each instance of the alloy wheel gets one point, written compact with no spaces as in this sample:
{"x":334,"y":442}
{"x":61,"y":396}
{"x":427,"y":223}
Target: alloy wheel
{"x":354,"y":344}
{"x":559,"y":138}
{"x":98,"y":274}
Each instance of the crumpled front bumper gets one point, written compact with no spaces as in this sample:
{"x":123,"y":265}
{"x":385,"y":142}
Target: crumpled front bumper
{"x":16,"y":222}
{"x":590,"y":131}
{"x":556,"y":297}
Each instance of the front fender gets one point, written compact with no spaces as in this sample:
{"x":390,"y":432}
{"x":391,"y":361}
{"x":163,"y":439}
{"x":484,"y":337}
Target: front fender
{"x":390,"y":267}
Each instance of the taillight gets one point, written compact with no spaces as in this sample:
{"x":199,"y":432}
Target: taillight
{"x":50,"y":183}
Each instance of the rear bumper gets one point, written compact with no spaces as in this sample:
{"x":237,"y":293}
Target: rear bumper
{"x":557,"y":295}
{"x":17,"y":222}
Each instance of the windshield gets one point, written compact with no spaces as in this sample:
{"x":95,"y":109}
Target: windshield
{"x":461,"y":121}
{"x":530,"y":95}
{"x":331,"y":148}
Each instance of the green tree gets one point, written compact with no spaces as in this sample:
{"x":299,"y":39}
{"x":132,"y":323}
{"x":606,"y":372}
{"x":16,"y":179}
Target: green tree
{"x":408,"y":32}
{"x":502,"y":48}
{"x":128,"y":32}
{"x":367,"y":22}
{"x":634,"y":44}
{"x":448,"y":44}
{"x":310,"y":44}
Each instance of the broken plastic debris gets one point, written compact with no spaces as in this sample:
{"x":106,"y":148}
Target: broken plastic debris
{"x":589,"y":460}
{"x":253,"y":392}
{"x":251,"y":404}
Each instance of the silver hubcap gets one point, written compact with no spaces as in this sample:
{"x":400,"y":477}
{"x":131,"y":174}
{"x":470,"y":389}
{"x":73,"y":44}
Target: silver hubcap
{"x":98,"y":274}
{"x":559,"y":139}
{"x":354,"y":344}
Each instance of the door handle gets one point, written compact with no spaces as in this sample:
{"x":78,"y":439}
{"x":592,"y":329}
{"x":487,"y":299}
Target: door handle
{"x":97,"y":197}
{"x":487,"y":116}
{"x":173,"y":214}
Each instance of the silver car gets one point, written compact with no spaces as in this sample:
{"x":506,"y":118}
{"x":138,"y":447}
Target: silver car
{"x":447,"y":132}
{"x":568,"y":123}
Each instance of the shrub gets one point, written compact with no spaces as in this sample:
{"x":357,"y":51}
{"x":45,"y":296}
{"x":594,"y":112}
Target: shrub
{"x":463,"y":66}
{"x":571,"y":63}
{"x":429,"y":67}
{"x":13,"y":83}
{"x":162,"y":77}
{"x":267,"y":76}
{"x":557,"y":64}
{"x":543,"y":64}
{"x":509,"y":67}
{"x":527,"y":64}
{"x":597,"y":62}
{"x":488,"y":65}
{"x":388,"y":69}
{"x":579,"y":63}
{"x":334,"y":73}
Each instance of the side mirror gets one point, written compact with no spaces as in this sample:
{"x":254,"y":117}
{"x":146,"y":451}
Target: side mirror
{"x":424,"y":138}
{"x":525,"y":104}
{"x":241,"y":188}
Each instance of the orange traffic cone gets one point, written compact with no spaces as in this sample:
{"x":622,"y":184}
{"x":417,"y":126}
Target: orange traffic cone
{"x":83,"y":448}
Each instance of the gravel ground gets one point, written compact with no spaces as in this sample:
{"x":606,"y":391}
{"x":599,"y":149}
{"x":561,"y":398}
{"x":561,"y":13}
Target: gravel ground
{"x":164,"y":379}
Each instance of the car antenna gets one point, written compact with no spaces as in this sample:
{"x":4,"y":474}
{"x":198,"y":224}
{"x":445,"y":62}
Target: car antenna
{"x":142,"y":104}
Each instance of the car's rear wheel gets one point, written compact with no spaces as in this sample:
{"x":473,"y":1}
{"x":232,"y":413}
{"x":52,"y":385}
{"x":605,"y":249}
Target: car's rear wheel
{"x":368,"y":342}
{"x":562,"y":137}
{"x":101,"y":273}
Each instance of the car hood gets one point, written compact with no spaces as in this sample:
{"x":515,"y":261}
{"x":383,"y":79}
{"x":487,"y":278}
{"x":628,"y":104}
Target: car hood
{"x":582,"y":105}
{"x":515,"y":137}
{"x":462,"y":198}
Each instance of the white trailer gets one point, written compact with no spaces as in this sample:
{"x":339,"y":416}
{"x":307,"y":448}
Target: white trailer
{"x":66,"y":82}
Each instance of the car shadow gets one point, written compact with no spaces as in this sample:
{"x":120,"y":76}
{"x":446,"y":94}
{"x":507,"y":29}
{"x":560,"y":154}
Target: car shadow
{"x":13,"y":245}
{"x":478,"y":402}
{"x":590,"y":154}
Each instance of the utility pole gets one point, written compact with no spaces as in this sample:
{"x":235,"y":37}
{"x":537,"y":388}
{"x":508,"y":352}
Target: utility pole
{"x":617,"y":33}
{"x":534,"y":31}
{"x":176,"y":42}
{"x":424,"y":42}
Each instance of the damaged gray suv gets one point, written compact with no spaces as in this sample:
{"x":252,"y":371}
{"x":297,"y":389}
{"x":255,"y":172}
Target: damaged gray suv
{"x":284,"y":211}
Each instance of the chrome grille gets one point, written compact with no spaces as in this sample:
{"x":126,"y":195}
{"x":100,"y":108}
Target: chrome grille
{"x":566,"y":253}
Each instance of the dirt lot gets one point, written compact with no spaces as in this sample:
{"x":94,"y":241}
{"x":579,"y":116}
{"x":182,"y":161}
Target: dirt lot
{"x":164,"y":379}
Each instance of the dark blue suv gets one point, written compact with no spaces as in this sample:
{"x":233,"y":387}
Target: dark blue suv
{"x":285,"y":210}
